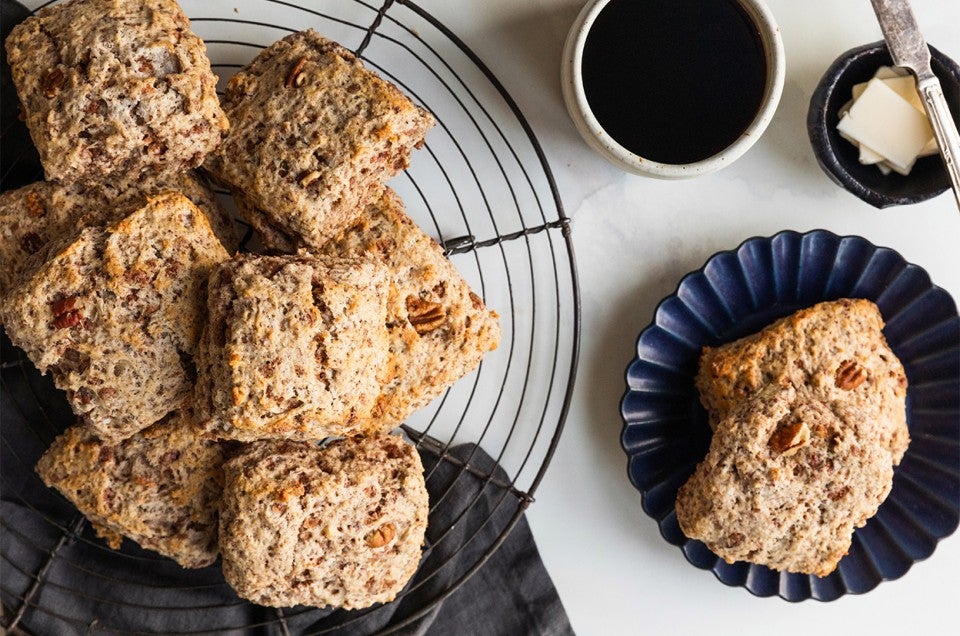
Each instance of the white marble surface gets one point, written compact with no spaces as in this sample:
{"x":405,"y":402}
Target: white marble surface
{"x":634,"y":239}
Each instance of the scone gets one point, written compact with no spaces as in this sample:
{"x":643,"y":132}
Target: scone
{"x":114,"y":89}
{"x":115,"y":314}
{"x":786,"y":481}
{"x":439,"y":330}
{"x":339,"y":525}
{"x":295,"y":347}
{"x":836,"y":348}
{"x":313,"y":136}
{"x":160,"y":487}
{"x":39,"y":213}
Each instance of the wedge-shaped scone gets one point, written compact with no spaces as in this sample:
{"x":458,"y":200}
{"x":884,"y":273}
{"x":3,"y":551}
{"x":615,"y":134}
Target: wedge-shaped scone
{"x":34,"y":215}
{"x":786,"y":481}
{"x":836,"y":349}
{"x":115,"y":314}
{"x":295,"y":347}
{"x":313,"y":136}
{"x":439,"y":330}
{"x":341,"y":525}
{"x":115,"y":88}
{"x":161,"y":487}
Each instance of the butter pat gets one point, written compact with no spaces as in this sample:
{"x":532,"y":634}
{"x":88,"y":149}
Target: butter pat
{"x":887,"y":124}
{"x":905,"y":87}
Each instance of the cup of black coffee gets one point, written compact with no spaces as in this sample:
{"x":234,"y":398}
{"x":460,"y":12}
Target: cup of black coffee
{"x":673,"y":88}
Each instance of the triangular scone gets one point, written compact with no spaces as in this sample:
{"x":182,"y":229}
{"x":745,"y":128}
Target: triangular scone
{"x":44,"y":212}
{"x":786,"y":481}
{"x":295,"y":347}
{"x":116,"y":312}
{"x":339,"y":525}
{"x":160,"y":487}
{"x":313,"y":136}
{"x":835,"y":349}
{"x":115,"y":89}
{"x":438,"y":328}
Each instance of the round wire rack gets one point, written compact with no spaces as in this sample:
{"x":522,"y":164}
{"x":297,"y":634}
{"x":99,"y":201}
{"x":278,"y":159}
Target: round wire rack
{"x":482,"y":187}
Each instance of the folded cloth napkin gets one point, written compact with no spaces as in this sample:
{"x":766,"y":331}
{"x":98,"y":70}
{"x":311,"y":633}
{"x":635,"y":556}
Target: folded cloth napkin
{"x":87,"y":587}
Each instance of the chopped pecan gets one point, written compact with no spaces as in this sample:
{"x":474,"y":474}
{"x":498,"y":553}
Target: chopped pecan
{"x":64,"y":313}
{"x":84,"y":395}
{"x":850,"y":375}
{"x":294,"y":78}
{"x":476,"y":301}
{"x":31,"y":243}
{"x":63,"y":305}
{"x":35,"y":206}
{"x":308,"y":178}
{"x":106,"y":454}
{"x":734,"y":539}
{"x":425,"y":316}
{"x":394,"y":451}
{"x":154,"y":146}
{"x":788,"y":439}
{"x":52,"y":82}
{"x":72,"y":361}
{"x":839,"y":493}
{"x":381,"y":536}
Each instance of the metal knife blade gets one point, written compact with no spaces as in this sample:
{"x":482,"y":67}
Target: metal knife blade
{"x":909,"y":50}
{"x":903,"y":37}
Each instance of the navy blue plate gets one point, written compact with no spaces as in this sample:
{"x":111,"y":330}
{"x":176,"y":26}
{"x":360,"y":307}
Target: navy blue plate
{"x":736,"y":293}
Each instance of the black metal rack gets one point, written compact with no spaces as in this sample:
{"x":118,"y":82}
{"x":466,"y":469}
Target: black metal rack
{"x":483,"y":188}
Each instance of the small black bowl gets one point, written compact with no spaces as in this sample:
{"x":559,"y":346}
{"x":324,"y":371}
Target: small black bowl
{"x":840,"y":159}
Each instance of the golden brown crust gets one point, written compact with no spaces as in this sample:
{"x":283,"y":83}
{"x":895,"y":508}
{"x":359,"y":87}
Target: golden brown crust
{"x":341,"y":525}
{"x":313,"y":136}
{"x":438,"y":329}
{"x":786,"y":481}
{"x":160,"y":487}
{"x":115,"y":88}
{"x":115,"y":314}
{"x":836,"y":349}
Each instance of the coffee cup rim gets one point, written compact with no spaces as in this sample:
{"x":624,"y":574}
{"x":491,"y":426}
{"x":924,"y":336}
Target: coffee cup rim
{"x":601,"y":141}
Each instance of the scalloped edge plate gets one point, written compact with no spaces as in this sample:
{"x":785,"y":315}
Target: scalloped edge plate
{"x":737,"y":292}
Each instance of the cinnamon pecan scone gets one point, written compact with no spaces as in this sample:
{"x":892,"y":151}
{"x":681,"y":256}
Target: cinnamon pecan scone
{"x":836,"y":349}
{"x":438,"y":328}
{"x":161,"y":487}
{"x":340,"y":525}
{"x":34,"y":215}
{"x":115,"y":314}
{"x":786,"y":481}
{"x":314,"y":134}
{"x":295,"y":347}
{"x":115,"y":88}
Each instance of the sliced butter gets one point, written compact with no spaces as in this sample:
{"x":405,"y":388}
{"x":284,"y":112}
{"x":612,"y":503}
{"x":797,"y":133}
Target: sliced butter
{"x":905,"y":87}
{"x":888,"y":124}
{"x":889,"y":72}
{"x":869,"y":157}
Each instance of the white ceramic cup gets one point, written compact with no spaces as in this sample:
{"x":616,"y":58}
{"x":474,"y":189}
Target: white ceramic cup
{"x":594,"y":134}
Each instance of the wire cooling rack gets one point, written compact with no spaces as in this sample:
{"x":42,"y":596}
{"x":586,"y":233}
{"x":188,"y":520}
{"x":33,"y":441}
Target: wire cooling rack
{"x":483,"y":188}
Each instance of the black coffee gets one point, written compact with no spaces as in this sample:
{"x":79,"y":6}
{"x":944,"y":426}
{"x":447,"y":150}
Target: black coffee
{"x":674,"y":81}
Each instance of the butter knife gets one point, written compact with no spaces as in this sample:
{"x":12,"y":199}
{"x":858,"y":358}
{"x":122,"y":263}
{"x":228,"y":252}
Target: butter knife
{"x":909,"y":50}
